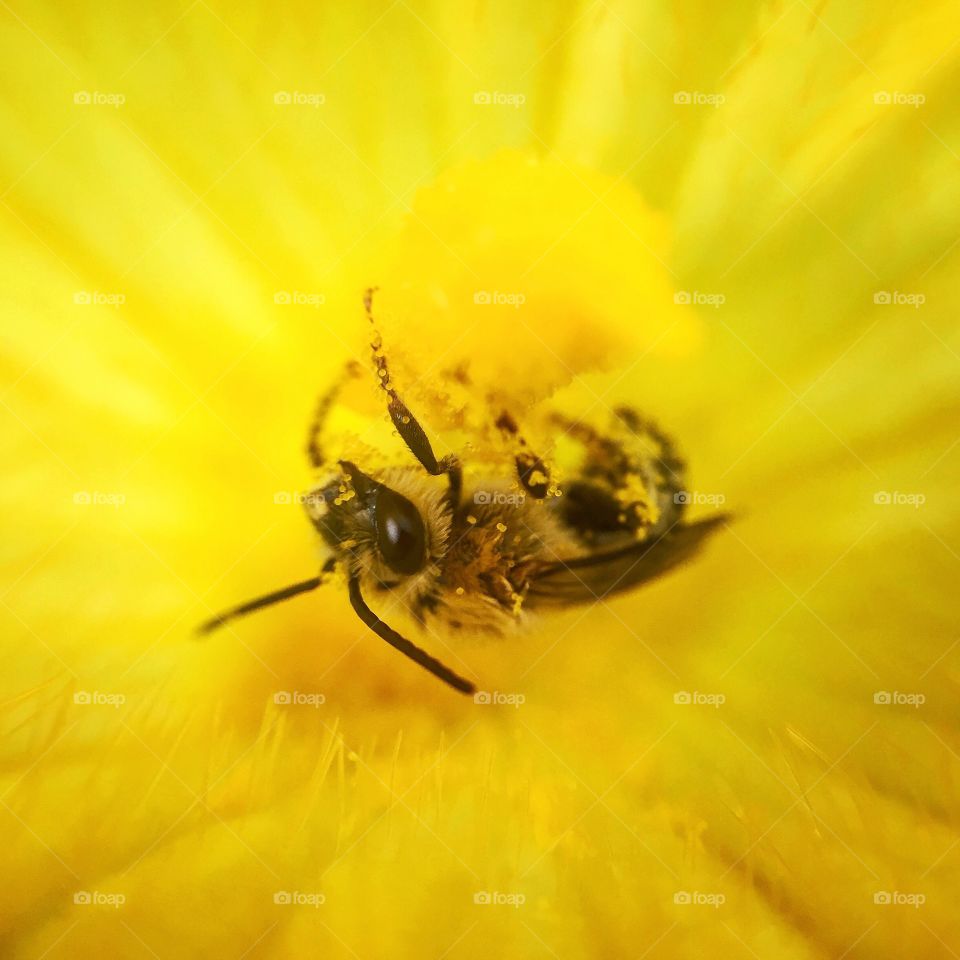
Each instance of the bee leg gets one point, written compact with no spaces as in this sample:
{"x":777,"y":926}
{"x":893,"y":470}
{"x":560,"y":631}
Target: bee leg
{"x":531,"y":470}
{"x":314,"y":447}
{"x":400,"y":643}
{"x":407,"y":425}
{"x":455,"y":482}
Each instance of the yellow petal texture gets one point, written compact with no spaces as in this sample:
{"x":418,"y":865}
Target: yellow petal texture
{"x":742,"y":220}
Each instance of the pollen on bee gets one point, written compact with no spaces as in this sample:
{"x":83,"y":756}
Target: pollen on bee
{"x":502,"y":527}
{"x":460,"y":591}
{"x":471,"y":519}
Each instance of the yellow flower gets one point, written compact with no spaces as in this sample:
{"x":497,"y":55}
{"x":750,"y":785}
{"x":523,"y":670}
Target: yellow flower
{"x":742,"y":221}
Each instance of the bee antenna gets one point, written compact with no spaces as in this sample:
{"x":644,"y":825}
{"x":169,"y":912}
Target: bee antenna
{"x":402,"y":644}
{"x":305,"y":586}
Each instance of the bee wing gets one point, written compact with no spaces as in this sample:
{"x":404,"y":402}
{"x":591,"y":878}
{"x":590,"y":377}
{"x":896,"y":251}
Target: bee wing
{"x":595,"y":576}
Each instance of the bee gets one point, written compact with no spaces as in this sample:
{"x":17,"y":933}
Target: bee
{"x":489,"y":558}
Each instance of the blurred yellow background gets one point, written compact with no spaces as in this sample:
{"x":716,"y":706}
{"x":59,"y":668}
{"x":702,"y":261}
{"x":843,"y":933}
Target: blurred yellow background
{"x":744,"y":220}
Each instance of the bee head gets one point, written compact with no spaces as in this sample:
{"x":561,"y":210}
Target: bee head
{"x":389,"y":529}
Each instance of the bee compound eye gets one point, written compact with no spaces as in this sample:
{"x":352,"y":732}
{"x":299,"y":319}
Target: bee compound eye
{"x":401,"y":536}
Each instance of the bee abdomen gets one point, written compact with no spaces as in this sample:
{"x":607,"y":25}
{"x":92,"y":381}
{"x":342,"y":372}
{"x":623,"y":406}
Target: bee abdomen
{"x":628,"y":483}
